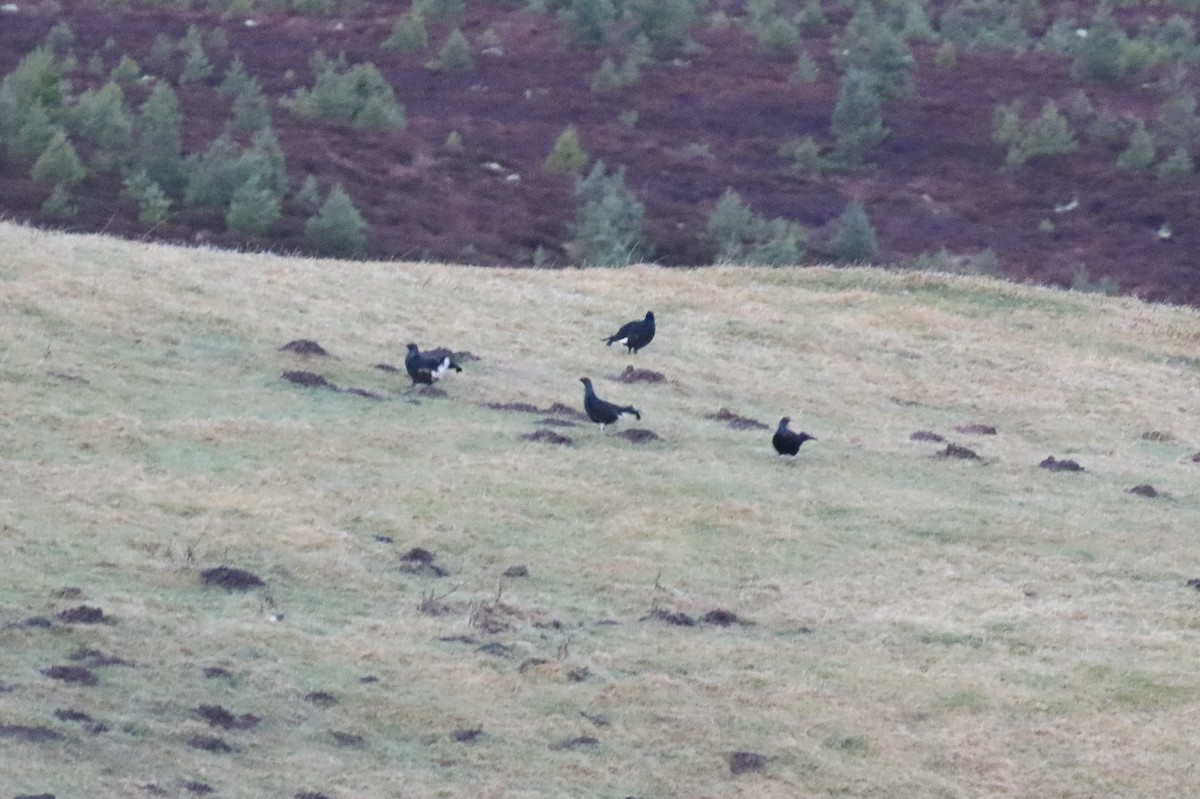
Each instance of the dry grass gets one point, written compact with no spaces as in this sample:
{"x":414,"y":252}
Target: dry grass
{"x":921,"y":626}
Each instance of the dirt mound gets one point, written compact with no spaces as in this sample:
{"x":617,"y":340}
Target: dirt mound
{"x":956,"y":451}
{"x":746,"y":762}
{"x":514,"y":407}
{"x":723,"y":618}
{"x":926,"y":435}
{"x":1054,"y":465}
{"x":632,"y":375}
{"x":231,"y":579}
{"x":82,"y":614}
{"x":217,"y":716}
{"x":736,"y":421}
{"x":308,"y":380}
{"x":304,"y":346}
{"x":78,"y":675}
{"x":976,"y":429}
{"x":209,"y":743}
{"x":639,"y":435}
{"x":1144,"y":490}
{"x":34,"y":735}
{"x":548,"y":437}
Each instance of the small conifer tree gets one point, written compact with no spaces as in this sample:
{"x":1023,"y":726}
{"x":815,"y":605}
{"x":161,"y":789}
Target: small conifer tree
{"x":58,"y":164}
{"x":153,"y":204}
{"x":159,"y":150}
{"x":455,"y":55}
{"x":100,"y":117}
{"x":408,"y":34}
{"x":1104,"y":53}
{"x":59,"y":203}
{"x":857,"y":120}
{"x":806,"y":70}
{"x":196,"y":67}
{"x":609,"y":227}
{"x":34,"y":134}
{"x":1176,"y":167}
{"x":1047,"y":134}
{"x":253,"y":208}
{"x":590,"y":20}
{"x":854,"y":241}
{"x":729,"y":225}
{"x":308,"y":196}
{"x":1178,"y":125}
{"x":337,"y":229}
{"x":126,"y":71}
{"x":236,"y":78}
{"x":568,"y":157}
{"x":1140,"y":153}
{"x":607,"y":78}
{"x":249,"y":111}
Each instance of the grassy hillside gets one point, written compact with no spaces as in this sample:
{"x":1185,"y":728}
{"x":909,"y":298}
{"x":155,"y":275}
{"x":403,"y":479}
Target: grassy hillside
{"x":915,"y":625}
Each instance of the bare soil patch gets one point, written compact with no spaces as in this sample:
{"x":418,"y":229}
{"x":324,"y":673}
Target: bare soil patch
{"x":33,"y":735}
{"x":1052,"y":464}
{"x":83,"y":614}
{"x":210,"y":743}
{"x":231,"y":579}
{"x":308,"y":380}
{"x":976,"y":429}
{"x":94,"y":658}
{"x":927,"y":435}
{"x":421,"y":561}
{"x":676,"y":618}
{"x":737,"y":421}
{"x":746,"y":762}
{"x":79,"y":675}
{"x":304,"y":346}
{"x":217,"y":716}
{"x":635,"y":375}
{"x":548,"y":437}
{"x":959,"y":452}
{"x":639,"y":435}
{"x":321,"y":698}
{"x":1144,"y":490}
{"x":720,"y":617}
{"x":578,"y":742}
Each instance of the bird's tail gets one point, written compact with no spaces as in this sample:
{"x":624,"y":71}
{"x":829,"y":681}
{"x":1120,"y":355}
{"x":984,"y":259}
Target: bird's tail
{"x":629,"y":409}
{"x":609,"y":341}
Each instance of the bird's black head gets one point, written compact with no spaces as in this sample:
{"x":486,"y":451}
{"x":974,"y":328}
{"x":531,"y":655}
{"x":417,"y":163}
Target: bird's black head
{"x":649,"y":316}
{"x":785,"y":421}
{"x":411,"y":346}
{"x":587,"y":381}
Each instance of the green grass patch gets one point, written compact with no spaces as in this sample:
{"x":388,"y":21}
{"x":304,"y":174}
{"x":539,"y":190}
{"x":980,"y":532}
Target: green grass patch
{"x":906,"y":625}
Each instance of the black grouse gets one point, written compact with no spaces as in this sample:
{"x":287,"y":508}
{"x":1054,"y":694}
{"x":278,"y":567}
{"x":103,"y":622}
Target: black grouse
{"x":600,"y":411}
{"x":785,"y":441}
{"x":635,"y":334}
{"x":427,"y":368}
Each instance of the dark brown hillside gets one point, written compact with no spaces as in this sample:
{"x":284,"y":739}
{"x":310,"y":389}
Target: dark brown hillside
{"x":712,"y":116}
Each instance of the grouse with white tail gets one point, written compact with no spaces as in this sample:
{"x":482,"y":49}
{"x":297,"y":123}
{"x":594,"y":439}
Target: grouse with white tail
{"x":427,"y":369}
{"x":602,"y":412}
{"x":635,"y":334}
{"x":787,"y":442}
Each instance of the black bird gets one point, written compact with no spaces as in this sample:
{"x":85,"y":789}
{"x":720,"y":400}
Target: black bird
{"x":635,"y":334}
{"x":602,"y":412}
{"x":785,"y":441}
{"x":427,"y":368}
